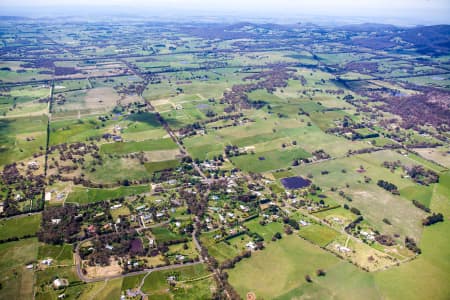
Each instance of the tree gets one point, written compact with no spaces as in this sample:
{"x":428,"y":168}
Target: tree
{"x":308,"y":278}
{"x":355,"y":211}
{"x":434,"y":218}
{"x":288,"y":229}
{"x":321,"y":272}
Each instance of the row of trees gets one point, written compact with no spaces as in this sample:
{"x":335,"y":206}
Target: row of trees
{"x":390,"y":187}
{"x":434,"y":218}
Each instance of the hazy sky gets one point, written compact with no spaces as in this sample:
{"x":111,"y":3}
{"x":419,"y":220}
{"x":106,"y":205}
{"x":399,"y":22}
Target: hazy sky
{"x":436,"y":11}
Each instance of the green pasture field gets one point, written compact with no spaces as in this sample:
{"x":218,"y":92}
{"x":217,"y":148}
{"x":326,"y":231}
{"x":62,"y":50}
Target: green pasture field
{"x":19,"y":226}
{"x":263,"y":95}
{"x":156,"y":282}
{"x":414,"y":138}
{"x":422,"y":194}
{"x":380,"y":141}
{"x":45,"y":278}
{"x":135,"y":127}
{"x":282,"y":174}
{"x":372,"y":164}
{"x":267,"y":231}
{"x":132,"y":147}
{"x":336,"y":285}
{"x":61,"y":86}
{"x":313,"y":138}
{"x":74,"y":101}
{"x":220,"y":251}
{"x":114,"y":170}
{"x":13,"y":138}
{"x":159,"y":91}
{"x":131,"y":282}
{"x":203,"y":147}
{"x":354,"y":75}
{"x":440,"y":197}
{"x":275,"y":159}
{"x":143,"y":126}
{"x":191,"y":252}
{"x":180,"y":118}
{"x":318,"y":234}
{"x":110,"y":289}
{"x":133,"y":134}
{"x":340,"y":58}
{"x":433,"y":264}
{"x":84,"y":195}
{"x":328,"y":199}
{"x":70,"y":131}
{"x":115,"y":81}
{"x":311,"y":107}
{"x":28,"y":109}
{"x":23,"y":94}
{"x":304,"y":58}
{"x":374,"y":202}
{"x":263,"y":58}
{"x":341,"y":213}
{"x":439,"y":81}
{"x":153,"y":167}
{"x":62,"y":254}
{"x":284,"y":264}
{"x":325,"y":120}
{"x":194,"y":109}
{"x":163,"y":234}
{"x":17,"y":281}
{"x":122,"y":211}
{"x":197,"y":289}
{"x":144,"y":120}
{"x":27,"y":75}
{"x":195,"y":283}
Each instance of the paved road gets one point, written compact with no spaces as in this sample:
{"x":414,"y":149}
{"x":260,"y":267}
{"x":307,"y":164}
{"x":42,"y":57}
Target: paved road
{"x":145,"y":271}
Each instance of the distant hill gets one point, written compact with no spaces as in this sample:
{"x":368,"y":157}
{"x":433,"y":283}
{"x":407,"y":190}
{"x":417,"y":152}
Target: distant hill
{"x":12,"y":18}
{"x":431,"y":40}
{"x":369,"y":27}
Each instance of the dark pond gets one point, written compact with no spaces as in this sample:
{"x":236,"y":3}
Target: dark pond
{"x":296,"y":182}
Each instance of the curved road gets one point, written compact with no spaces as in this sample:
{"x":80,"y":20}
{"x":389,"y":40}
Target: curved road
{"x":169,"y":267}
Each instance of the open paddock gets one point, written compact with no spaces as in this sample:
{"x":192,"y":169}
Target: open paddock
{"x":84,"y":195}
{"x":133,"y":147}
{"x":19,"y":226}
{"x":17,"y":281}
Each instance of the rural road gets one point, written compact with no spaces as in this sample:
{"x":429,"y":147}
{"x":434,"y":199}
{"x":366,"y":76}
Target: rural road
{"x":145,"y":271}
